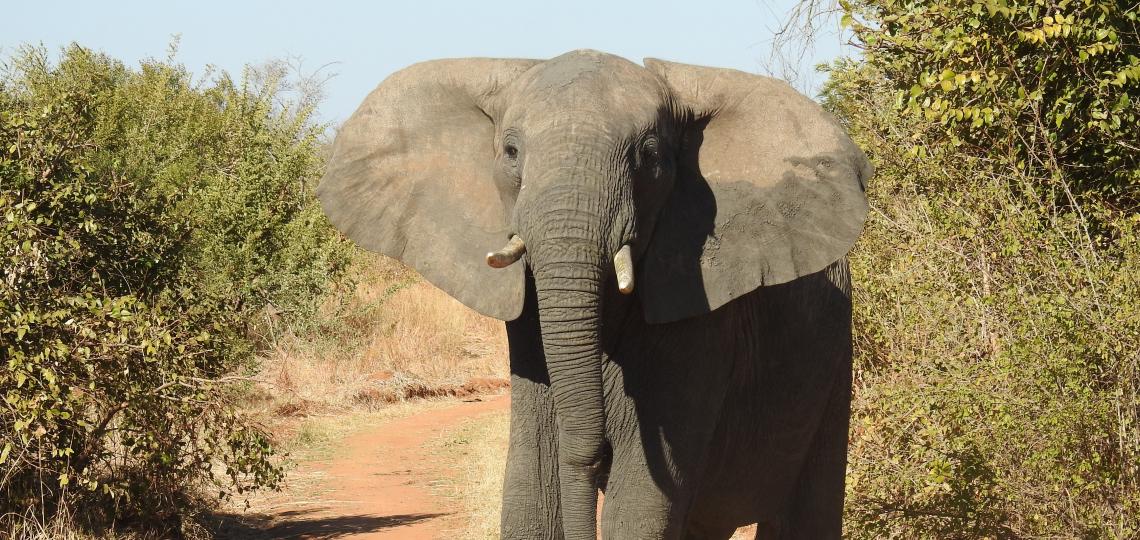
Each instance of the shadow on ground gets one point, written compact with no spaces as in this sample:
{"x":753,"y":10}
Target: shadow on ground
{"x":303,"y":525}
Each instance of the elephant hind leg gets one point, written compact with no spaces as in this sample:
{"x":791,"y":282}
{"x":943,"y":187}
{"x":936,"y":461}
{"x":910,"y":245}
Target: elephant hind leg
{"x":816,"y":509}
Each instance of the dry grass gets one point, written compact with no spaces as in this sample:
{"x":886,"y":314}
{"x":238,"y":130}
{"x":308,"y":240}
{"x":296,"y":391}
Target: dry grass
{"x":66,"y":523}
{"x":745,"y":533}
{"x":58,"y":528}
{"x":479,"y":450}
{"x":390,"y":337}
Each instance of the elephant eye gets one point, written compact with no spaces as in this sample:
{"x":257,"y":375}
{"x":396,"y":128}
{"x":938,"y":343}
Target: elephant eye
{"x":648,"y":156}
{"x":511,"y":158}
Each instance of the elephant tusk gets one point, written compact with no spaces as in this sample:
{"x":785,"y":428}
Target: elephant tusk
{"x":623,"y":267}
{"x":507,"y":256}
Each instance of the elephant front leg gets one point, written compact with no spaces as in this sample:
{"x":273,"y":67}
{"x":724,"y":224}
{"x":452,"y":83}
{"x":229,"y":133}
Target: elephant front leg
{"x":530,"y":488}
{"x":652,"y":483}
{"x":531,"y":507}
{"x":659,"y":432}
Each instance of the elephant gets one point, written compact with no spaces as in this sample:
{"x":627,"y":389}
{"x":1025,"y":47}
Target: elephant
{"x":667,"y":244}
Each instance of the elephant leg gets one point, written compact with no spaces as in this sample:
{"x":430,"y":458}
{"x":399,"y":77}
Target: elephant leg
{"x":635,"y":506}
{"x":530,"y":486}
{"x":816,"y":509}
{"x":642,"y":493}
{"x":659,"y":436}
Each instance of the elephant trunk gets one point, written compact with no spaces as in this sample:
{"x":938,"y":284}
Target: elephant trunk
{"x":569,"y":317}
{"x":567,"y":263}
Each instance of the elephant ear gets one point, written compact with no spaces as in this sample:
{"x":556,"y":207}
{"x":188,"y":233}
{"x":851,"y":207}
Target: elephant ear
{"x":769,"y":188}
{"x":411,"y":176}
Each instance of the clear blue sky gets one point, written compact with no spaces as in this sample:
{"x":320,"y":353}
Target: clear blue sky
{"x":369,"y":40}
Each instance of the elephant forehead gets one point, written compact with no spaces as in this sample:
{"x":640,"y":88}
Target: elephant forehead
{"x":591,"y":81}
{"x":569,"y":69}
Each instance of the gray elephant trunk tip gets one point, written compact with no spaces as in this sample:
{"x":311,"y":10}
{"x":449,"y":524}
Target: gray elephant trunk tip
{"x":507,"y":256}
{"x":623,"y":268}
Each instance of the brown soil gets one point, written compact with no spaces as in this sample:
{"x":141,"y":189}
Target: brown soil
{"x":375,"y":484}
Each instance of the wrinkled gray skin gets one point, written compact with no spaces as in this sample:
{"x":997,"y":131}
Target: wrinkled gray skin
{"x":717,"y":393}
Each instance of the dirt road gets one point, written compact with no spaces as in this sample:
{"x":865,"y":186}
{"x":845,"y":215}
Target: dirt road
{"x":375,"y":484}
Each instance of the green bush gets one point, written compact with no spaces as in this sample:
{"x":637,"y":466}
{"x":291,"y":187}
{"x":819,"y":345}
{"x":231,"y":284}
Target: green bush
{"x":1053,"y":85}
{"x":152,"y":224}
{"x":997,"y":301}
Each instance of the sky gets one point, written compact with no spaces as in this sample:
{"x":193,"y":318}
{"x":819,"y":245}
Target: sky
{"x":358,"y":44}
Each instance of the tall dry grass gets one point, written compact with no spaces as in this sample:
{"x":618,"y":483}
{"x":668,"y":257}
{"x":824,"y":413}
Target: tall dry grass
{"x":386,"y":335}
{"x":479,"y":448}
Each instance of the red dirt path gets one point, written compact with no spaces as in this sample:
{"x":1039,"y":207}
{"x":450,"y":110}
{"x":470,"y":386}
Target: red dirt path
{"x":376,"y":484}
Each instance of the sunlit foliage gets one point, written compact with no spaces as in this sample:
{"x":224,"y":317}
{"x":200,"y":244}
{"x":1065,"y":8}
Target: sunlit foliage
{"x":153,"y":227}
{"x":997,"y":309}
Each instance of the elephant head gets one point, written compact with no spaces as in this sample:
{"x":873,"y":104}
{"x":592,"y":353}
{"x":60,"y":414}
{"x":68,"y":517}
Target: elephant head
{"x":687,"y":186}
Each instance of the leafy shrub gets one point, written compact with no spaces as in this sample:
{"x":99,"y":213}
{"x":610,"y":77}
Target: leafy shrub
{"x":151,"y":224}
{"x":997,"y":302}
{"x":1054,"y":84}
